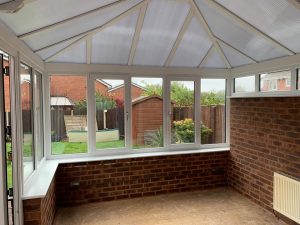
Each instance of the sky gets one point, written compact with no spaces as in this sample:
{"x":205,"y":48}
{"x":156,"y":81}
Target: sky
{"x":206,"y":84}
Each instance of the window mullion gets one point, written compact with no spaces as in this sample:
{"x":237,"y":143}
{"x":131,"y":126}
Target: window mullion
{"x":91,"y":110}
{"x":128,"y":114}
{"x":197,"y":112}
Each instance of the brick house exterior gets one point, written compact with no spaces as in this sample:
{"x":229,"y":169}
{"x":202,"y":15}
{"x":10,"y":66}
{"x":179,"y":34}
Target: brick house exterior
{"x":119,"y":91}
{"x":276,"y":81}
{"x":76,"y":88}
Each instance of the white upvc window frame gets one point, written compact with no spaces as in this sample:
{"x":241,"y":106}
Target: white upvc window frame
{"x":258,"y":93}
{"x":128,"y":150}
{"x":197,"y":122}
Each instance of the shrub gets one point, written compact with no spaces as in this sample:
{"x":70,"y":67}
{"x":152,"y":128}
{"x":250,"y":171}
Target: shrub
{"x":184,"y":131}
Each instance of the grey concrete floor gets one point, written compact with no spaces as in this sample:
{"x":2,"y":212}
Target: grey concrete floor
{"x":214,"y":207}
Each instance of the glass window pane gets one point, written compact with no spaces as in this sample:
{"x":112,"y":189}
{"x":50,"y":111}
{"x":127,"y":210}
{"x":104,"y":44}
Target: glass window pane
{"x":110,"y":132}
{"x":147,"y":112}
{"x":277,"y":81}
{"x":26,"y":106}
{"x":183,"y":112}
{"x":38,"y":114}
{"x":244,"y":84}
{"x":213,"y":109}
{"x":68,"y":114}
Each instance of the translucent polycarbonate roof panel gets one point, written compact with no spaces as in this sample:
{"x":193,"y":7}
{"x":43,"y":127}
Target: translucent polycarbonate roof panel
{"x":75,"y":54}
{"x":214,"y":60}
{"x":77,"y":26}
{"x":193,"y":46}
{"x":112,"y":45}
{"x":238,"y":36}
{"x":277,"y":18}
{"x":44,"y":54}
{"x":40,"y":13}
{"x":234,"y":57}
{"x":161,"y":27}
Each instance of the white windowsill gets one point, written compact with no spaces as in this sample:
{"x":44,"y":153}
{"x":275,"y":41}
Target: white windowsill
{"x":37,"y":185}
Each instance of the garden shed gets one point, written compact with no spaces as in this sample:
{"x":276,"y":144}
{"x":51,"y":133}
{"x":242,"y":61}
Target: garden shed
{"x":149,"y":112}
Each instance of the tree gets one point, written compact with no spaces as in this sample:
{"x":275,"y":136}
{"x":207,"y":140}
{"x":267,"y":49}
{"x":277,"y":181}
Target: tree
{"x":213,"y":98}
{"x":102,"y":102}
{"x":183,"y":96}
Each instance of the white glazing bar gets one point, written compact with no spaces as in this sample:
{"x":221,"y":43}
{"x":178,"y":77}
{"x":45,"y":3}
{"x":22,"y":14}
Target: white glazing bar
{"x":47,"y":115}
{"x":294,"y":79}
{"x":166,"y":110}
{"x":257,"y":83}
{"x":3,"y":187}
{"x":91,"y":111}
{"x":197,"y":112}
{"x":229,"y":91}
{"x":128,"y":114}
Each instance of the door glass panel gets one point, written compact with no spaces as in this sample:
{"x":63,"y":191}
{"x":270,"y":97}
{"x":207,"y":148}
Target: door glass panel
{"x":38,"y":113}
{"x":26,"y":106}
{"x":147,"y":112}
{"x":183,"y":112}
{"x":213,"y":109}
{"x":68,"y":114}
{"x":110,"y":124}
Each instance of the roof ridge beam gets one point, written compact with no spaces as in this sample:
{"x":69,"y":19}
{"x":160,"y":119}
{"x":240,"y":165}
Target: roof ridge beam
{"x":235,"y":49}
{"x":209,"y":32}
{"x":220,"y":8}
{"x":180,"y":35}
{"x":138,"y":28}
{"x":101,"y":27}
{"x":22,"y":36}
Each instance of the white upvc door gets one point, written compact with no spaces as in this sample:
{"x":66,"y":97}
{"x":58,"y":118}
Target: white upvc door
{"x":3,"y":182}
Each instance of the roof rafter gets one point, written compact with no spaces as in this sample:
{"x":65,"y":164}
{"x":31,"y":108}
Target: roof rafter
{"x":101,"y":27}
{"x":137,"y":33}
{"x":207,"y":56}
{"x":235,"y":49}
{"x":66,"y":48}
{"x":89,"y":49}
{"x":220,"y":8}
{"x":184,"y":28}
{"x":110,"y":5}
{"x":209,"y":32}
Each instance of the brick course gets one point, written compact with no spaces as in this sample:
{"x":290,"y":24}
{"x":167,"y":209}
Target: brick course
{"x":41,"y":211}
{"x":265,"y":138}
{"x":137,"y":177}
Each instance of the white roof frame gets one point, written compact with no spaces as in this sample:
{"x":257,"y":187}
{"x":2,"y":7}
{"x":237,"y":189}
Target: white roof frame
{"x":137,"y":33}
{"x":209,"y":32}
{"x":248,"y":26}
{"x":184,"y":28}
{"x":99,"y":28}
{"x":110,"y":5}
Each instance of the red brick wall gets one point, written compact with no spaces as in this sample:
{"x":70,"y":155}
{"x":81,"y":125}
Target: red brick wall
{"x":41,"y":211}
{"x":146,"y":115}
{"x":73,"y":87}
{"x":130,"y":178}
{"x":265,"y":138}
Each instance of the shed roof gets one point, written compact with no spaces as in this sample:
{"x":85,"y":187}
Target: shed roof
{"x":166,"y":33}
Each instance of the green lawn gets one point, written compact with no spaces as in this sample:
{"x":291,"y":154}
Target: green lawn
{"x":59,"y":148}
{"x":9,"y":175}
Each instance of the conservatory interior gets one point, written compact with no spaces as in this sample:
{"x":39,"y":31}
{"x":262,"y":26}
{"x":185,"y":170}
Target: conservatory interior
{"x":136,"y":112}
